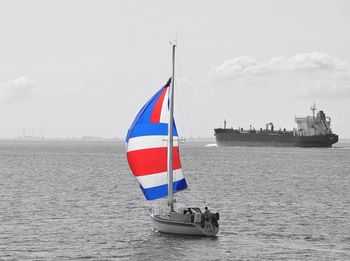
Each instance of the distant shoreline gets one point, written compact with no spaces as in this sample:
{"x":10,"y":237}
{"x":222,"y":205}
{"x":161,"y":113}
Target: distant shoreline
{"x":201,"y":139}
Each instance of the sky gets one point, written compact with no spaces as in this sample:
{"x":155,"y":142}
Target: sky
{"x":85,"y":68}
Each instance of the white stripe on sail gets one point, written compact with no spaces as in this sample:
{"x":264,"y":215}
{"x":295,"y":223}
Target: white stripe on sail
{"x":154,"y":180}
{"x":149,"y":142}
{"x":164,"y":112}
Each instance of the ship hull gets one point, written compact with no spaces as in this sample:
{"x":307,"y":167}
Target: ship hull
{"x":229,"y":137}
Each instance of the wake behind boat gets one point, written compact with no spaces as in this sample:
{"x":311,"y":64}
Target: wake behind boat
{"x":154,"y":158}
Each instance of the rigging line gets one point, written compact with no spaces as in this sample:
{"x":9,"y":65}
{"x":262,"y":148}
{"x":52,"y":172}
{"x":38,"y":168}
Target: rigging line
{"x":178,"y":94}
{"x":184,"y":120}
{"x":181,"y":114}
{"x":187,"y":112}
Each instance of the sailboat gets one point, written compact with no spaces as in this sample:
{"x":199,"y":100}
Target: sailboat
{"x":154,"y":159}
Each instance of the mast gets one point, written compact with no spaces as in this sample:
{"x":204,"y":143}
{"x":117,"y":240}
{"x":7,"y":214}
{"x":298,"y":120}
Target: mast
{"x":170,"y":137}
{"x":313,"y":108}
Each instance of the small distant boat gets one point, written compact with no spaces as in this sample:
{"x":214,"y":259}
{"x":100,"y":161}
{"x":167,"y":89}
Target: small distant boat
{"x":182,"y":140}
{"x":154,"y":158}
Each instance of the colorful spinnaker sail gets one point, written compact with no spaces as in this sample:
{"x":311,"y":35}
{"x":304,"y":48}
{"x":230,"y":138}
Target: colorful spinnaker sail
{"x":147,"y":141}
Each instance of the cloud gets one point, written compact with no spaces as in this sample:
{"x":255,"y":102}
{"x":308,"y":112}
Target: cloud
{"x":247,"y":65}
{"x":323,"y":76}
{"x":16,"y":89}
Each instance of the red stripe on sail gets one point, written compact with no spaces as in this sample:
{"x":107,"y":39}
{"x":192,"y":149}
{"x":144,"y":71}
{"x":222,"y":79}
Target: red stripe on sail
{"x":157,"y":109}
{"x":152,"y":161}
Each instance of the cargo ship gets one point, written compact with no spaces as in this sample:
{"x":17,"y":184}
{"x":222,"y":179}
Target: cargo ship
{"x":311,"y":131}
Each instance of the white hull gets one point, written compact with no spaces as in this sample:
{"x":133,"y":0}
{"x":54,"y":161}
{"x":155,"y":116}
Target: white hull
{"x":166,"y":224}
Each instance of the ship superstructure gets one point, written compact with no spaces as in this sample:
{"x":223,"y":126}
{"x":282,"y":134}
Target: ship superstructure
{"x":314,"y":126}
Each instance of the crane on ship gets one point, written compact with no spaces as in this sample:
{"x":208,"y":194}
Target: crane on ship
{"x":269,"y":124}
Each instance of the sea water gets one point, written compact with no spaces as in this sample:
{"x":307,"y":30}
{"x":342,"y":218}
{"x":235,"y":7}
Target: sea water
{"x":74,"y":200}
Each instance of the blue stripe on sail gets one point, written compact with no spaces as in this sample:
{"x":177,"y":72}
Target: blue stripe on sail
{"x":162,"y":191}
{"x":139,"y":117}
{"x":150,"y":129}
{"x":144,"y":115}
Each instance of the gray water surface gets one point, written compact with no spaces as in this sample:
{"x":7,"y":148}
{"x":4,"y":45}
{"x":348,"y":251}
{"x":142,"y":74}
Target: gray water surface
{"x":78,"y":200}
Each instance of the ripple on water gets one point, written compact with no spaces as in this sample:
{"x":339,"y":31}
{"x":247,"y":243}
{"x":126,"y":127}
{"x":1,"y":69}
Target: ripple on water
{"x":78,"y":201}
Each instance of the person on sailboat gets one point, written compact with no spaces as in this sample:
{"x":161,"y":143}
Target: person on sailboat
{"x":206,"y":214}
{"x":189,"y":211}
{"x":190,"y":214}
